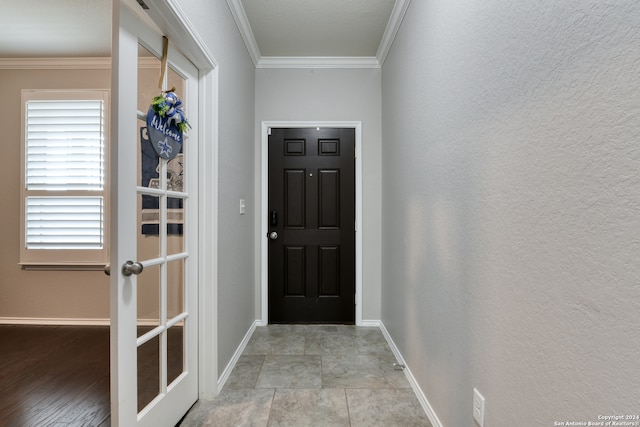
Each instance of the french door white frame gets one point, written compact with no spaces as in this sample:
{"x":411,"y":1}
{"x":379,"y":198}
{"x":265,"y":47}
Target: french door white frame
{"x":170,"y":18}
{"x":264,"y":210}
{"x":173,"y":22}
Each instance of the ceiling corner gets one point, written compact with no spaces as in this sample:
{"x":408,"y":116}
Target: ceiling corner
{"x":395,"y":20}
{"x":240,"y":17}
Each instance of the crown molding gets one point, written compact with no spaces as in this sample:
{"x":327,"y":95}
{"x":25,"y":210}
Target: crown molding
{"x":243,"y":25}
{"x":96,"y":63}
{"x":317,"y":62}
{"x":259,"y":61}
{"x":68,"y":63}
{"x":395,"y":20}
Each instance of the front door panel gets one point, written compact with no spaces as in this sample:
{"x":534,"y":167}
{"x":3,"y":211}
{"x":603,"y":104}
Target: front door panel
{"x":312,"y":211}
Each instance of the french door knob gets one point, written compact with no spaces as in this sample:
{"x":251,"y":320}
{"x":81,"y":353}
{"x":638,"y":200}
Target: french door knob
{"x":273,"y":235}
{"x":107,"y":269}
{"x":131,"y":267}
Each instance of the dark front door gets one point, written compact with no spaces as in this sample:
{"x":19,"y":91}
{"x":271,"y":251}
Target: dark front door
{"x":312,"y":211}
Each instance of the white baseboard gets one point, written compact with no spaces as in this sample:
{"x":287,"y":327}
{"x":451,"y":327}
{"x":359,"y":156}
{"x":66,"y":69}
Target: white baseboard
{"x":57,"y":321}
{"x":232,"y":363}
{"x":433,"y":418}
{"x":374,"y":323}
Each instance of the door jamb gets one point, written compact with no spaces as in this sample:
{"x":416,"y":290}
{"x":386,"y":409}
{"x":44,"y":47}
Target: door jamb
{"x":264,"y":226}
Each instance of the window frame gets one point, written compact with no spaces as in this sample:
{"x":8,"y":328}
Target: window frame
{"x":66,"y":259}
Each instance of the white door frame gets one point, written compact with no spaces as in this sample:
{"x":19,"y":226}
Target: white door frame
{"x":264,"y":224}
{"x":174,"y":23}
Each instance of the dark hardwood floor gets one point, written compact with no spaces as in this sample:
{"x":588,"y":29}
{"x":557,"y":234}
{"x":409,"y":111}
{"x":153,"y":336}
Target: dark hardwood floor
{"x":59,"y":375}
{"x":54,"y":376}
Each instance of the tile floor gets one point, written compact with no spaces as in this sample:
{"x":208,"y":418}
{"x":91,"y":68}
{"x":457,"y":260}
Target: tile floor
{"x":313,"y":375}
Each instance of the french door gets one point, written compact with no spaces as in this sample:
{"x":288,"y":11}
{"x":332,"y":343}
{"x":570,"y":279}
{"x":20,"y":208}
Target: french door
{"x":154,"y":319}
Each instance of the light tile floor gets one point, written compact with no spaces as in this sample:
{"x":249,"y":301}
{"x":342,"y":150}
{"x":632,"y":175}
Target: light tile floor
{"x":313,"y":375}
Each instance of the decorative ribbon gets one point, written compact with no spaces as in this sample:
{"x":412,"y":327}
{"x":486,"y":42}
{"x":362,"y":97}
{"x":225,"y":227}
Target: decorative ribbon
{"x":175,"y":111}
{"x":168,"y":105}
{"x":163,"y":68}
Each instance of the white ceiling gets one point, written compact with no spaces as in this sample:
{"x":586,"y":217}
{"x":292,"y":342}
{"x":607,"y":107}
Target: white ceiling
{"x":318,"y":32}
{"x":61,"y":28}
{"x":318,"y":28}
{"x":276,"y":32}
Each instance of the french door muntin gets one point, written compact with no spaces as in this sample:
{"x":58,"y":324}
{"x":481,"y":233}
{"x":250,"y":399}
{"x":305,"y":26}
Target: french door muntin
{"x":153,"y":314}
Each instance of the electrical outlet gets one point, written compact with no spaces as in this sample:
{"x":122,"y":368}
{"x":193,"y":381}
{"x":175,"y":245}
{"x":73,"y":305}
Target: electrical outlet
{"x":242,"y":207}
{"x":478,"y":407}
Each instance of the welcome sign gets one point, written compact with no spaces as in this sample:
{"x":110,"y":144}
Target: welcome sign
{"x":166,"y":124}
{"x":165,"y":136}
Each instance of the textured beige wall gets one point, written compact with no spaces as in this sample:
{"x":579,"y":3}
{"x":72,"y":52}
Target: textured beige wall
{"x":40,"y":294}
{"x":66,"y":295}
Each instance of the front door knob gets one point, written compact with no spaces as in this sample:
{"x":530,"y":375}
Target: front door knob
{"x":273,"y":235}
{"x":130,"y":267}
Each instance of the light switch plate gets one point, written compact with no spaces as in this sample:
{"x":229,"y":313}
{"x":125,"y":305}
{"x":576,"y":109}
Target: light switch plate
{"x":243,"y":207}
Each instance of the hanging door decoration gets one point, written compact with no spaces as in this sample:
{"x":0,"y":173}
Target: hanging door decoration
{"x":166,"y":122}
{"x":162,"y":140}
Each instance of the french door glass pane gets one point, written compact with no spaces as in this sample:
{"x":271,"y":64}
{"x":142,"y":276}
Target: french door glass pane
{"x":175,"y":288}
{"x":175,"y":352}
{"x":148,"y":299}
{"x":148,"y":372}
{"x":148,"y":227}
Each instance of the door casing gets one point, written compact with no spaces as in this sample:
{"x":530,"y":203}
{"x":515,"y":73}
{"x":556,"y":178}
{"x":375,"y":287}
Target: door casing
{"x":264,"y":225}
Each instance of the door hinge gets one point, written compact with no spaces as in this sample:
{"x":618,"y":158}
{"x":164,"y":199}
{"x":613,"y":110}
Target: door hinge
{"x":269,"y":131}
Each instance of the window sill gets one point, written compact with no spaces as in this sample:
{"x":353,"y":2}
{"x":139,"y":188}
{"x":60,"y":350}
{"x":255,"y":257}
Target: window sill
{"x":62,"y":267}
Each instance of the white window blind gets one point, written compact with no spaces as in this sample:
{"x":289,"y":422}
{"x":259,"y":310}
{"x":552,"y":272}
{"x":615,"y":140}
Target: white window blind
{"x":65,"y":145}
{"x":65,"y":223}
{"x":64,"y":177}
